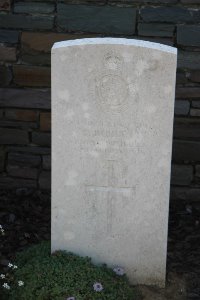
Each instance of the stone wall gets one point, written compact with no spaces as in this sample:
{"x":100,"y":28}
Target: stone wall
{"x":29,"y":29}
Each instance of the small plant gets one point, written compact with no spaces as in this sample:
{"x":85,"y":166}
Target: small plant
{"x":7,"y":280}
{"x":65,"y":276}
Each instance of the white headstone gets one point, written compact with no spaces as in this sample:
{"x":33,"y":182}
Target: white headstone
{"x":112,"y":111}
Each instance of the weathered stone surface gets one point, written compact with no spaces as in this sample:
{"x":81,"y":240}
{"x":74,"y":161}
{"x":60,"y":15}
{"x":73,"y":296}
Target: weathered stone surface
{"x":9,"y":36}
{"x":188,"y":35}
{"x":98,"y":19}
{"x":22,"y":172}
{"x":5,"y":5}
{"x":187,"y":92}
{"x":5,"y":76}
{"x":13,"y":136}
{"x":26,"y":22}
{"x":196,"y":104}
{"x":186,"y":194}
{"x":182,"y":107}
{"x":25,"y":98}
{"x":42,"y":42}
{"x":45,"y":121}
{"x":188,"y":60}
{"x":32,"y":76}
{"x":29,"y":149}
{"x":181,"y":174}
{"x":7,"y":53}
{"x":23,"y":159}
{"x":21,"y":115}
{"x":46,"y":162}
{"x":34,"y":8}
{"x":186,"y":150}
{"x":103,"y":148}
{"x":195,"y":112}
{"x":45,"y":180}
{"x":13,"y":183}
{"x":169,"y":14}
{"x":42,"y":139}
{"x":151,"y":29}
{"x":195,"y":76}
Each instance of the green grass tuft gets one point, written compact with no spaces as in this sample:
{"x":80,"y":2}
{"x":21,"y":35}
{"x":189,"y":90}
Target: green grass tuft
{"x":62,"y":275}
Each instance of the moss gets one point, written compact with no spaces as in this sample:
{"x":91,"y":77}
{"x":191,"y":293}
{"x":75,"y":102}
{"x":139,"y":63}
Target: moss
{"x":64,"y":274}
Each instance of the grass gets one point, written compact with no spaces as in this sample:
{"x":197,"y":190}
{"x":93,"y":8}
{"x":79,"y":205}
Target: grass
{"x":64,"y":275}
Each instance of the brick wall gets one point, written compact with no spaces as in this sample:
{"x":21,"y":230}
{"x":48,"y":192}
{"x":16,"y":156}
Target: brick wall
{"x":29,"y":29}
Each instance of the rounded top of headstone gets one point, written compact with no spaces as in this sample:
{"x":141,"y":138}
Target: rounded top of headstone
{"x":115,"y":41}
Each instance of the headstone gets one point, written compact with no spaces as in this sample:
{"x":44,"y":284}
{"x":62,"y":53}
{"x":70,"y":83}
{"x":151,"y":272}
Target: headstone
{"x":112,"y":111}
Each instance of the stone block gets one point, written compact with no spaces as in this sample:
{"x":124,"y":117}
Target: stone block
{"x":98,"y":19}
{"x":10,"y":136}
{"x":41,"y":138}
{"x":34,"y":8}
{"x":181,"y":77}
{"x":2,"y":159}
{"x":195,"y":76}
{"x":169,"y":14}
{"x":197,"y":171}
{"x":29,"y":149}
{"x":9,"y":36}
{"x":45,"y":180}
{"x":186,"y":128}
{"x":187,"y":92}
{"x":18,"y":124}
{"x":195,"y":112}
{"x":190,"y":1}
{"x":5,"y":76}
{"x":13,"y":183}
{"x":26,"y":22}
{"x":7,"y":54}
{"x":23,"y":159}
{"x":43,"y":41}
{"x":25,"y":98}
{"x":21,"y":115}
{"x":188,"y":35}
{"x":188,"y":60}
{"x":160,"y":40}
{"x":45,"y":121}
{"x":22,"y":172}
{"x":182,"y":107}
{"x":5,"y":5}
{"x":153,"y":29}
{"x":107,"y":146}
{"x":142,"y":1}
{"x":185,"y":194}
{"x":32,"y":76}
{"x":186,"y":150}
{"x":38,"y":59}
{"x":46,"y":162}
{"x":181,"y":174}
{"x":196,"y":104}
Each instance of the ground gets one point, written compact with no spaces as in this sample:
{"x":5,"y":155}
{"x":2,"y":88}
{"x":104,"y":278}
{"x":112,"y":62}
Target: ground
{"x":25,"y":216}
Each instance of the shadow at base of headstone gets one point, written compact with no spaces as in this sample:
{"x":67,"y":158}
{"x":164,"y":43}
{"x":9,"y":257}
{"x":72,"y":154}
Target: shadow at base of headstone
{"x":175,"y":289}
